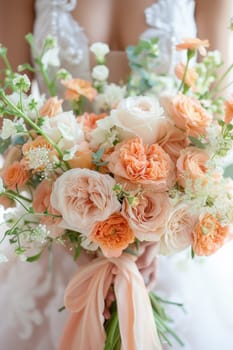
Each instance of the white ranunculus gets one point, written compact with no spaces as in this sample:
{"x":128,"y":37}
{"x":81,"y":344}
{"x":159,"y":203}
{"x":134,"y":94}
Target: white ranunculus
{"x":100,"y":72}
{"x":110,"y":97}
{"x":8,"y":129}
{"x":100,"y":50}
{"x":139,"y":116}
{"x":64,"y":130}
{"x":104,"y":135}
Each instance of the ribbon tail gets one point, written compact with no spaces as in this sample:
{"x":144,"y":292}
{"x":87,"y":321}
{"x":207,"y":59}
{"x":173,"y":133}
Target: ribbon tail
{"x":85,"y":298}
{"x":136,"y":321}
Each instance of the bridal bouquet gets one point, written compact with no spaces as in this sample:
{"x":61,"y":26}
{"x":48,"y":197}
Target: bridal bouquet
{"x":112,"y":171}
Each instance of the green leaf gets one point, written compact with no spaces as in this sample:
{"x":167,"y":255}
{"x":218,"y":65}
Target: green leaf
{"x":4,"y":144}
{"x":192,"y":253}
{"x":228,"y":171}
{"x":197,"y":142}
{"x":34,"y":257}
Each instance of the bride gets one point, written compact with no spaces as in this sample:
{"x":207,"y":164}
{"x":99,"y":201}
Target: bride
{"x":30,"y":294}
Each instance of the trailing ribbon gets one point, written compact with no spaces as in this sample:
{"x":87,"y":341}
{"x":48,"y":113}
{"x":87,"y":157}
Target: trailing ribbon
{"x":85,"y":298}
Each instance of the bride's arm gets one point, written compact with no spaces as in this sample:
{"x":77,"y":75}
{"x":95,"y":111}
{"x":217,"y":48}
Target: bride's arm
{"x":16,"y":20}
{"x":213,"y":20}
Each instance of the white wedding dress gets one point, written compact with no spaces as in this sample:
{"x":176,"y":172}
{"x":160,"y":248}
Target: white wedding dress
{"x":31,"y":294}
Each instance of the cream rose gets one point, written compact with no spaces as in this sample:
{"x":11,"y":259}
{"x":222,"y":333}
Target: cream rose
{"x":63,"y":129}
{"x":148,"y":217}
{"x":177,"y":231}
{"x":139,"y":116}
{"x":84,"y":197}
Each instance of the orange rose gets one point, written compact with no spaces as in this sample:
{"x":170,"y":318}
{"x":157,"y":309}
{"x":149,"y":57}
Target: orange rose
{"x":191,"y":165}
{"x":39,"y":142}
{"x":78,"y":87}
{"x":82,"y":157}
{"x":15,"y":176}
{"x":208,"y":235}
{"x":13,"y":154}
{"x":88,"y":120}
{"x":6,"y":202}
{"x":190,"y":76}
{"x":228,"y":104}
{"x":189,"y":115}
{"x":142,"y":164}
{"x":194,"y":44}
{"x":113,"y":235}
{"x":51,"y":107}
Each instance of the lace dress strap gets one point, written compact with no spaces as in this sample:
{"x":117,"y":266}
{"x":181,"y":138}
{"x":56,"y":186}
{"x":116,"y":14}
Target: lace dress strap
{"x":54,"y":17}
{"x":170,"y":21}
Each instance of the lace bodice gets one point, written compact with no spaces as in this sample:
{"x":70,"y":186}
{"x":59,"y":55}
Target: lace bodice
{"x":168,"y":20}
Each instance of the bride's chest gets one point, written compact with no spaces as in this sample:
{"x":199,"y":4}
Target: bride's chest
{"x":118,"y":23}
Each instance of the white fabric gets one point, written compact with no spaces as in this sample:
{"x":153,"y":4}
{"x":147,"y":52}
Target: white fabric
{"x":30,"y":295}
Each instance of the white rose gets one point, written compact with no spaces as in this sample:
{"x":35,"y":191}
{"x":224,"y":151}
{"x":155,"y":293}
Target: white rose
{"x":139,"y":116}
{"x":100,"y":50}
{"x":63,"y":129}
{"x":100,"y":72}
{"x":178,"y":230}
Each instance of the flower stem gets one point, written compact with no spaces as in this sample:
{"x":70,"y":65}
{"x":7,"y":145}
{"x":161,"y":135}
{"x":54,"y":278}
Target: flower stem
{"x":219,"y":82}
{"x":190,"y":54}
{"x":31,"y":123}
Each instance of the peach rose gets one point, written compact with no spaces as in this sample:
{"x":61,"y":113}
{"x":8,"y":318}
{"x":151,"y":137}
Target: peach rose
{"x":15,"y":176}
{"x":177,"y":230}
{"x":190,"y":76}
{"x":189,"y":115}
{"x":41,"y":203}
{"x":51,"y":107}
{"x":172,"y":139}
{"x":113,"y":235}
{"x":147,"y":218}
{"x":228,"y":104}
{"x":194,"y":44}
{"x":75,"y":88}
{"x":138,"y":116}
{"x":142,"y":164}
{"x":191,"y":165}
{"x":209,"y":235}
{"x":84,"y":197}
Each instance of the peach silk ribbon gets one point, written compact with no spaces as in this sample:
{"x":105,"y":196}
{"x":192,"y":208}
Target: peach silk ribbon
{"x":85,"y":298}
